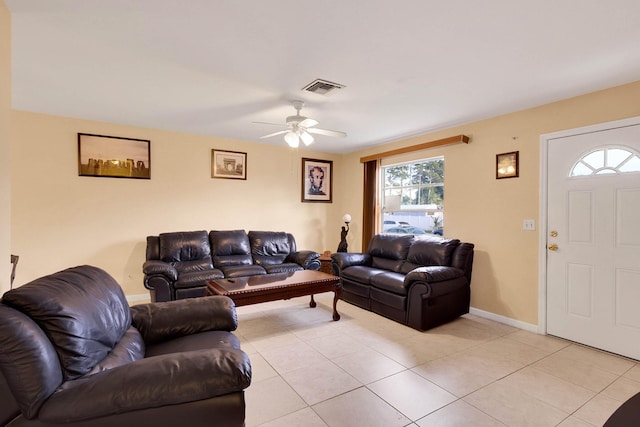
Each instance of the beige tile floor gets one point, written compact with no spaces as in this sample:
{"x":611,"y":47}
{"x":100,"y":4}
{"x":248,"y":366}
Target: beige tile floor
{"x":365,"y":370}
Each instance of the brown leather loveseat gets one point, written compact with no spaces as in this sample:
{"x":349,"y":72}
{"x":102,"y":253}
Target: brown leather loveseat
{"x":419,"y":281}
{"x":179,"y":264}
{"x":73,"y":353}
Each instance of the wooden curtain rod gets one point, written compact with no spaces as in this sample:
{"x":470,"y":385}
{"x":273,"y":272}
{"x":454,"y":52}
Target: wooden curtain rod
{"x":444,"y":141}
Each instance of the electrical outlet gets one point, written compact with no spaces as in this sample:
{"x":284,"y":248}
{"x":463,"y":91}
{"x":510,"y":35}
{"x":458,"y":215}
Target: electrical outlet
{"x":529,"y":224}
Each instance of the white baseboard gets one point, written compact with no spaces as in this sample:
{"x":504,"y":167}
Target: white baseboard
{"x":138,"y":299}
{"x":503,"y":319}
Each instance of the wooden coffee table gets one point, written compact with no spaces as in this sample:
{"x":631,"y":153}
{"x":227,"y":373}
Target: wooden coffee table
{"x":277,"y":286}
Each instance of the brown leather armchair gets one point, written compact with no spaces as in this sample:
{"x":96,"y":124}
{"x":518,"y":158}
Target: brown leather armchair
{"x":73,"y":353}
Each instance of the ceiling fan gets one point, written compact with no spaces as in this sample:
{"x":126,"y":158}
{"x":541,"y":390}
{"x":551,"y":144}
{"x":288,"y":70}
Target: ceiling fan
{"x":300,"y":128}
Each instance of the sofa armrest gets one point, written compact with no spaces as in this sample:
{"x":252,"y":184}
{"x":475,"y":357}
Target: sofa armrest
{"x":342,"y":260}
{"x":168,"y":379}
{"x":433,"y":274}
{"x":307,"y":259}
{"x":171,"y":319}
{"x":159,"y":267}
{"x":436,"y":278}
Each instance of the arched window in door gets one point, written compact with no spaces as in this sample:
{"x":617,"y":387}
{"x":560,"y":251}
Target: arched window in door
{"x":613,"y":159}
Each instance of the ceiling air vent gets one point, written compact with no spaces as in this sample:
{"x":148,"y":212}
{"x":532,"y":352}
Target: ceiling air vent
{"x":322,"y":87}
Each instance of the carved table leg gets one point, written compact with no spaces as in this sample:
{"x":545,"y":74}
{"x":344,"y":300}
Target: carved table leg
{"x":336,"y":296}
{"x":312,"y":303}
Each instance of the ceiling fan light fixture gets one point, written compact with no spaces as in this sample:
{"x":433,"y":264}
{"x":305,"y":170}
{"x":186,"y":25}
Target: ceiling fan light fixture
{"x":306,"y":137}
{"x":292,"y":139}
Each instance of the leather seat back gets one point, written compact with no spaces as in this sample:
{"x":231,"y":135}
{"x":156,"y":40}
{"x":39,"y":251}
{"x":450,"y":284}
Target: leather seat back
{"x":271,"y":247}
{"x":429,"y":251}
{"x":82,"y":311}
{"x":39,"y":372}
{"x":389,"y":251}
{"x":186,"y":250}
{"x":230,"y":248}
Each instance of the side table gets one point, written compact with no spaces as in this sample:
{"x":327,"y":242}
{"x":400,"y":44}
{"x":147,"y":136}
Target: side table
{"x":325,"y":263}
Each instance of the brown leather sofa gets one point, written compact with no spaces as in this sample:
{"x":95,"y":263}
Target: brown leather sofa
{"x":420,"y":281}
{"x":179,"y":264}
{"x":73,"y":353}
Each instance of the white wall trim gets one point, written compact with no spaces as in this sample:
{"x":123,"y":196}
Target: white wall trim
{"x":506,"y":320}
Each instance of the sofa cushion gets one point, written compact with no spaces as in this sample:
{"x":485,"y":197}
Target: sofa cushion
{"x":243,"y":270}
{"x":428,"y":251}
{"x":82,"y":310}
{"x":199,"y":341}
{"x":361,"y":273}
{"x":184,"y":246}
{"x":230,"y":247}
{"x":390,"y":281}
{"x":388,"y":251}
{"x":269,"y":247}
{"x":230,"y":260}
{"x":203,"y":264}
{"x":285,"y":267}
{"x":197,"y":278}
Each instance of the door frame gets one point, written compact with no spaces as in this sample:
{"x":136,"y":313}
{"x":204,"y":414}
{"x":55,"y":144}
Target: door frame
{"x":545,"y":139}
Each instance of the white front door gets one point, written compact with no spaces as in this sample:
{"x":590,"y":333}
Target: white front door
{"x":593,"y":239}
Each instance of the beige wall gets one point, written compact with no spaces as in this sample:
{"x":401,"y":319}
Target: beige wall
{"x":5,"y":171}
{"x":61,"y":219}
{"x":55,"y":219}
{"x":490,"y":212}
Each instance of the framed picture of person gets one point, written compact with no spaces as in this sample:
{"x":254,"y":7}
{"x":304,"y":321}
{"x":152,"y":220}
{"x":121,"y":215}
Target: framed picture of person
{"x":317,"y":180}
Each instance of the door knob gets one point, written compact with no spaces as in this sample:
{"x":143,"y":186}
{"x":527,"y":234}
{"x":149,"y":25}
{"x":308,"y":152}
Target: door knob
{"x":553,"y":247}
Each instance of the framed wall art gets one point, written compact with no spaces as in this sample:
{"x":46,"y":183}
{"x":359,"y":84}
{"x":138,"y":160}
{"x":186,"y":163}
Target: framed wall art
{"x":228,"y":164}
{"x":113,"y":156}
{"x":317,"y":180}
{"x":507,"y":165}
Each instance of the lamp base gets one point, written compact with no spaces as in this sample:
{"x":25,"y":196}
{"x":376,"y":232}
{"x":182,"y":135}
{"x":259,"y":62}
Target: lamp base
{"x":342,"y":246}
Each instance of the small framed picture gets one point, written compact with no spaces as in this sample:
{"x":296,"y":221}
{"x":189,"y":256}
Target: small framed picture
{"x":507,"y":165}
{"x":113,"y":157}
{"x":317,"y":180}
{"x":228,"y":164}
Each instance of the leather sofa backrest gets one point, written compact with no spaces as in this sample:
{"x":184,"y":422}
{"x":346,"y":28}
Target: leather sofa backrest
{"x":82,"y":311}
{"x":389,"y":251}
{"x":9,"y":408}
{"x":429,"y":251}
{"x":153,"y":248}
{"x":462,"y":258}
{"x":28,"y":361}
{"x":230,"y":247}
{"x":271,"y":247}
{"x":186,"y":250}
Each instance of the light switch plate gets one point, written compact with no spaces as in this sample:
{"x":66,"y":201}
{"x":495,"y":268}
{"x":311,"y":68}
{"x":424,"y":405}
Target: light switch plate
{"x":529,"y":224}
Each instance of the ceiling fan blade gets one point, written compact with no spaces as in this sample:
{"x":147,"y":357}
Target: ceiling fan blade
{"x":307,"y":123}
{"x":272,"y":124}
{"x":327,"y":132}
{"x":274,"y":134}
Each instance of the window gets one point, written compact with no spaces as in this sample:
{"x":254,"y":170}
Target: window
{"x":413,"y":197}
{"x":605,"y":161}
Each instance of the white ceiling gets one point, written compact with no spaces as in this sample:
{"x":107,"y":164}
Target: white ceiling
{"x":212,"y":67}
